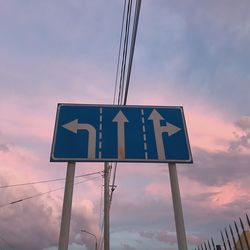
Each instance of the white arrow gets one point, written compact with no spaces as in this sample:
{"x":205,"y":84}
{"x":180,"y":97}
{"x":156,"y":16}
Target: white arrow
{"x":171,"y":129}
{"x":120,"y":118}
{"x":74,"y":126}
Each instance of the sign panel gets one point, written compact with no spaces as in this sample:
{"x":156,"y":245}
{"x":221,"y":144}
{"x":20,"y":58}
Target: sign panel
{"x":120,"y":134}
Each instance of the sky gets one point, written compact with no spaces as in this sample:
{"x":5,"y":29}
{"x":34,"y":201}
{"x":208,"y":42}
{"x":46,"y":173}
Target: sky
{"x":190,"y":53}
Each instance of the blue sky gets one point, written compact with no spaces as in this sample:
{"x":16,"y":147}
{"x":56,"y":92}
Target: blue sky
{"x":189,"y":53}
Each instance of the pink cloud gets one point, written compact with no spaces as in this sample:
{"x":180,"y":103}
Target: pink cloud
{"x":209,"y":130}
{"x":158,"y":189}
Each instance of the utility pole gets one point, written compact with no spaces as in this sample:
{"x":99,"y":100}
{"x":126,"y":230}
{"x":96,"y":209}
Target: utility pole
{"x":106,"y":206}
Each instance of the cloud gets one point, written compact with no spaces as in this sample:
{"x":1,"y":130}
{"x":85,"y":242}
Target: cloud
{"x":160,"y":236}
{"x":32,"y":218}
{"x":85,"y":217}
{"x":4,"y":148}
{"x":217,"y":168}
{"x":38,"y":219}
{"x":127,"y":247}
{"x":242,"y":142}
{"x":167,"y":237}
{"x":49,"y":55}
{"x":210,"y":64}
{"x":244,"y":123}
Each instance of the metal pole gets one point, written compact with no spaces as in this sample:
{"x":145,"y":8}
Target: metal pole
{"x":228,"y":241}
{"x":178,"y":214}
{"x":244,"y":233}
{"x":232,"y":234}
{"x":85,"y":231}
{"x":248,"y":221}
{"x":239,"y":238}
{"x":223,"y":240}
{"x":67,"y":204}
{"x":213,"y":243}
{"x":209,"y":245}
{"x":106,"y":206}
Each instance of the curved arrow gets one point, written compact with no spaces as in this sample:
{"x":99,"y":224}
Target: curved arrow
{"x":120,"y":119}
{"x":74,"y":126}
{"x":171,"y":129}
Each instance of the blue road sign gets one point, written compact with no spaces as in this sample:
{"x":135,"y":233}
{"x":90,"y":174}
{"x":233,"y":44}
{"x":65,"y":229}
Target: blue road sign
{"x":120,"y":134}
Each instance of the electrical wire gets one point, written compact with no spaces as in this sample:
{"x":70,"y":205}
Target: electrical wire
{"x":46,"y":181}
{"x":101,"y":237}
{"x":125,"y":49}
{"x":6,"y":243}
{"x":123,"y":67}
{"x":40,"y":194}
{"x":132,"y":47}
{"x":121,"y":97}
{"x":113,"y":186}
{"x":122,"y":74}
{"x":100,"y":231}
{"x":119,"y":53}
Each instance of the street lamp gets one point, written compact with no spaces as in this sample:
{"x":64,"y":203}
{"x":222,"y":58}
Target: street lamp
{"x":84,"y":231}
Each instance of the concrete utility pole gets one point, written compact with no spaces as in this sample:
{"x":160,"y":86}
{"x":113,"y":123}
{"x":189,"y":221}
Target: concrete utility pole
{"x":106,"y":206}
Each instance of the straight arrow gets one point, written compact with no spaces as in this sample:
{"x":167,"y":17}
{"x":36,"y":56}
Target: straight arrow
{"x":120,"y":119}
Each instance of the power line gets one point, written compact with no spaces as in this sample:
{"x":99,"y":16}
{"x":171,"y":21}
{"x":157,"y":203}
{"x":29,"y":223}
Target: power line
{"x":113,"y":186}
{"x":123,"y":67}
{"x":46,"y":181}
{"x":119,"y":53}
{"x":125,"y":49}
{"x":132,"y":47}
{"x":40,"y":194}
{"x":6,"y":243}
{"x":101,"y":221}
{"x":121,"y":91}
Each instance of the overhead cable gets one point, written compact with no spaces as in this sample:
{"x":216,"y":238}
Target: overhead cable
{"x":125,"y":49}
{"x":121,"y":99}
{"x":101,"y":218}
{"x":119,"y":53}
{"x":132,"y":47}
{"x":46,"y":181}
{"x":6,"y":243}
{"x":40,"y":194}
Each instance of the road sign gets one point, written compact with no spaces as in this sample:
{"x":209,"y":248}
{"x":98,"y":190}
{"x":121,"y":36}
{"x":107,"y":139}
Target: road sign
{"x":120,"y":133}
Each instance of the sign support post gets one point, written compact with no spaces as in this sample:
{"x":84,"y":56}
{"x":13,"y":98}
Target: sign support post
{"x":106,"y":206}
{"x":118,"y":133}
{"x":178,"y":213}
{"x":67,"y":204}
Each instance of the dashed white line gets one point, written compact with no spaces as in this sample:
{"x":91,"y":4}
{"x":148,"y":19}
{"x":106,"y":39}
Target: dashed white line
{"x":100,"y":134}
{"x":144,"y":134}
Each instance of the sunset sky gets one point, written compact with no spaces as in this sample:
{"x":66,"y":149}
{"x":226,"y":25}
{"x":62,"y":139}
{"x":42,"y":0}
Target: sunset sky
{"x":188,"y":53}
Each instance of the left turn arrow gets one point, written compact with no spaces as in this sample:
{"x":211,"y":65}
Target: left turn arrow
{"x":74,"y":126}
